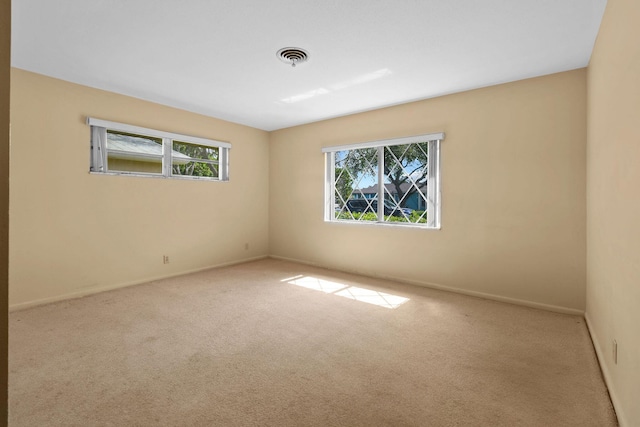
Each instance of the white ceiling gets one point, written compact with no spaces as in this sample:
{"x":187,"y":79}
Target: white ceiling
{"x":218,"y":57}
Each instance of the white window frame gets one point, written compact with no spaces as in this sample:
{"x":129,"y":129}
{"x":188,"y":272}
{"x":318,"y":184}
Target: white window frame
{"x":433,"y":194}
{"x":99,"y":156}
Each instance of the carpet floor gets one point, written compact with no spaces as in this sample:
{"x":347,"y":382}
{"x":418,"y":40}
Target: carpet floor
{"x":274,"y":343}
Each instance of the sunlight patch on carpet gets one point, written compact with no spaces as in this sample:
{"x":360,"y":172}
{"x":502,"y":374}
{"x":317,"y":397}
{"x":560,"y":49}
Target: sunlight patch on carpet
{"x":373,"y":297}
{"x":314,"y":283}
{"x":340,"y":289}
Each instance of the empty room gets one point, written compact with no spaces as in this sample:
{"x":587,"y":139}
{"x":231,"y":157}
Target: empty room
{"x":296,"y":213}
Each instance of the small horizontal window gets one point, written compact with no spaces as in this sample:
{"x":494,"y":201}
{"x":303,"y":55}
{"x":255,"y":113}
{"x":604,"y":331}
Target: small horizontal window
{"x":403,"y":173}
{"x":117,"y":148}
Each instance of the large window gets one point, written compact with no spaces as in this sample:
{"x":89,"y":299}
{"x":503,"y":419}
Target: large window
{"x":403,"y":173}
{"x":118,"y":148}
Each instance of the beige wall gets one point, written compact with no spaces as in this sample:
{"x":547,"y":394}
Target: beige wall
{"x":5,"y":90}
{"x":513,"y":194}
{"x":73,"y":232}
{"x":613,"y":203}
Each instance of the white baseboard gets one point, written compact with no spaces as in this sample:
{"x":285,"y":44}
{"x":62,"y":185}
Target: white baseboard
{"x":98,"y":289}
{"x":606,"y":374}
{"x":493,"y":297}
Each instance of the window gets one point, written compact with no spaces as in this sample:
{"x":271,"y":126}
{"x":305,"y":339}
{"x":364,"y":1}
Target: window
{"x":118,"y":148}
{"x":404,"y":173}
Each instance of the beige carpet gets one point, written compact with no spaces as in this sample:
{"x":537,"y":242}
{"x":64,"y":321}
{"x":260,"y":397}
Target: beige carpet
{"x":242,"y":346}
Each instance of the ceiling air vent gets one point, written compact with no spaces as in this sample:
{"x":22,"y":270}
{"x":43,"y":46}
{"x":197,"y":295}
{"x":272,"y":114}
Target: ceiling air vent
{"x":292,"y":55}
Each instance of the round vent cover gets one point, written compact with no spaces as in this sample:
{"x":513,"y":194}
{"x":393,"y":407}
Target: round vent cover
{"x":292,"y":55}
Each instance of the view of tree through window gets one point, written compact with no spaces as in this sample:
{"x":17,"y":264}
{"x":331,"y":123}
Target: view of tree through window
{"x":203,"y":160}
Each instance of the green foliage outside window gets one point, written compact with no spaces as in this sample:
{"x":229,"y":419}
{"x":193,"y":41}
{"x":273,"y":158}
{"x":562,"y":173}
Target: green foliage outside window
{"x":205,"y":160}
{"x":372,"y":216}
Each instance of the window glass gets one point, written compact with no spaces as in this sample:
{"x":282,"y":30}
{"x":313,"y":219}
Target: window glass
{"x":134,"y":153}
{"x":194,"y":160}
{"x":405,"y":182}
{"x":356,"y":175}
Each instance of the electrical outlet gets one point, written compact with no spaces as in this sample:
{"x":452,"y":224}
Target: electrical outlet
{"x":246,"y":246}
{"x":615,"y":352}
{"x":165,"y":259}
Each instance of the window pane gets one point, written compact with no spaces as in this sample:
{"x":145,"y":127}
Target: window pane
{"x":355,"y":184}
{"x":133,"y":153}
{"x":195,"y":160}
{"x":405,"y":182}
